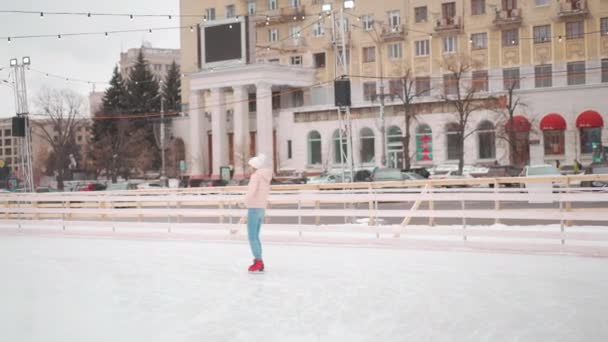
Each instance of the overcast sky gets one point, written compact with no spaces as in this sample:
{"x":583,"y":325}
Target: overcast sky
{"x":85,"y":57}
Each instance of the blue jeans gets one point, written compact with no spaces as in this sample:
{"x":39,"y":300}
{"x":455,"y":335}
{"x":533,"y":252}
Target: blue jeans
{"x":255,"y":216}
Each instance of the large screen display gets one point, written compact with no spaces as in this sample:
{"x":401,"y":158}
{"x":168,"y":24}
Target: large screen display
{"x":223,"y":42}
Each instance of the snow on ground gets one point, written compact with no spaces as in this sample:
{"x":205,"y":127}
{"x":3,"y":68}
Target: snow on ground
{"x":87,"y":289}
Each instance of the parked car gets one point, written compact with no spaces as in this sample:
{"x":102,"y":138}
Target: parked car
{"x":121,"y":186}
{"x":500,"y":171}
{"x":596,"y":169}
{"x":45,"y":189}
{"x":326,"y":178}
{"x":90,"y":186}
{"x":542,"y":170}
{"x":391,"y":174}
{"x":419,"y":170}
{"x":567,"y":170}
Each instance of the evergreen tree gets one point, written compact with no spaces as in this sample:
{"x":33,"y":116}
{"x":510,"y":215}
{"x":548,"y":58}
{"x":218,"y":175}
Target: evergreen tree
{"x":172,"y":89}
{"x":113,"y":104}
{"x":142,"y":89}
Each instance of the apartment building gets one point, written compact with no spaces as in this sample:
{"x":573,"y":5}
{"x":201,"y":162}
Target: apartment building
{"x":280,"y":102}
{"x":9,"y":145}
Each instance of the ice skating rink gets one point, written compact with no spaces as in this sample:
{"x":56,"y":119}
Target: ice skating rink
{"x":93,"y":289}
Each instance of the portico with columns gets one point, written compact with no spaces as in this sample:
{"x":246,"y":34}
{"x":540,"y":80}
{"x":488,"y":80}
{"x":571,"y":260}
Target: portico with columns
{"x":219,"y":100}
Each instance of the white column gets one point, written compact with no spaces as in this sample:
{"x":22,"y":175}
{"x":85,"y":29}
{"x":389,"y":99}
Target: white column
{"x":197,"y":134}
{"x":264,"y":121}
{"x":241,"y":130}
{"x":218,"y":130}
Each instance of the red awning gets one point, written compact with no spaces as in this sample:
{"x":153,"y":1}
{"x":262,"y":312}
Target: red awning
{"x":589,"y":118}
{"x":553,"y":122}
{"x":520,"y":124}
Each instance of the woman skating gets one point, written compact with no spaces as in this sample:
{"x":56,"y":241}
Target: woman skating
{"x":256,"y":201}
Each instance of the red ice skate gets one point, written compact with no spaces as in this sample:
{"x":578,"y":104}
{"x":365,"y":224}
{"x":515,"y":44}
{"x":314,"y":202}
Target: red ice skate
{"x":258,"y":266}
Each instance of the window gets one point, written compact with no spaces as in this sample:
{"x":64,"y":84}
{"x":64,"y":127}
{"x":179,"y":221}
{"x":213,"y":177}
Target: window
{"x":230,"y":11}
{"x":251,"y":7}
{"x":423,"y":86}
{"x":420,"y":14}
{"x":295,"y":3}
{"x":508,"y":5}
{"x":487,"y":140}
{"x":510,"y":37}
{"x":210,"y":13}
{"x":510,"y":77}
{"x":289,"y":149}
{"x":449,"y":44}
{"x":340,"y":150}
{"x":394,"y":18}
{"x":273,"y":61}
{"x":394,"y":147}
{"x":478,"y":7}
{"x":314,"y":148}
{"x":541,"y":2}
{"x":367,"y":145}
{"x":450,"y":84}
{"x":604,"y":26}
{"x":297,"y":98}
{"x":554,"y":142}
{"x":395,"y":87}
{"x":369,"y":54}
{"x":318,"y":29}
{"x":576,"y":73}
{"x":424,"y":143}
{"x":7,"y":142}
{"x":422,"y":48}
{"x":543,"y":76}
{"x":319,"y":59}
{"x":344,"y":23}
{"x":575,"y":29}
{"x":604,"y":70}
{"x":272,"y":4}
{"x":369,"y":91}
{"x":448,"y":11}
{"x":394,"y":51}
{"x":479,"y":41}
{"x":295,"y":60}
{"x":79,"y":138}
{"x":453,"y":141}
{"x":8,"y":151}
{"x":294,"y":33}
{"x":368,"y":22}
{"x":590,"y":136}
{"x":542,"y":34}
{"x":480,"y":80}
{"x":273,"y":35}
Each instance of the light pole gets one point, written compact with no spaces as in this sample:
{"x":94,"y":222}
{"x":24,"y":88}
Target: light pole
{"x":163,"y":174}
{"x":23,"y":116}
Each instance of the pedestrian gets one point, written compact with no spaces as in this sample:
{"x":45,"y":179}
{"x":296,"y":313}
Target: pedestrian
{"x":576,"y":167}
{"x":557,"y":165}
{"x":256,"y":201}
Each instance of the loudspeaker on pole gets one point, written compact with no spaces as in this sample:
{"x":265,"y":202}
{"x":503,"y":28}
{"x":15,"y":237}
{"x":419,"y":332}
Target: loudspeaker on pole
{"x":19,"y":126}
{"x":342,"y":93}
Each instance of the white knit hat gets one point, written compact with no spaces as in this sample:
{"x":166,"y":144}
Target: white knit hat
{"x":258,"y":162}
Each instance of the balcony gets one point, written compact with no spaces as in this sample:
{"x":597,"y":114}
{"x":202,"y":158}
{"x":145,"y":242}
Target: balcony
{"x":572,"y":9}
{"x":393,"y":33}
{"x":293,"y":44}
{"x":508,"y":18}
{"x":448,"y":25}
{"x":283,"y":15}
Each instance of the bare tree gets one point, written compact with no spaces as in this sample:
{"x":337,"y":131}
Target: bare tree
{"x":63,"y":111}
{"x":407,"y":92}
{"x":461,"y":96}
{"x":506,"y":106}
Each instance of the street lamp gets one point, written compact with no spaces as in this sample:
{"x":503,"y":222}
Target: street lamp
{"x":349,"y":4}
{"x":26,"y":60}
{"x":14,"y":62}
{"x":326,"y":7}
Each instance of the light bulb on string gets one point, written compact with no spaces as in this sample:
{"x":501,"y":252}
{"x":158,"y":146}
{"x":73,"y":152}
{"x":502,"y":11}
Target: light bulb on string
{"x":131,"y":17}
{"x":58,"y":36}
{"x":230,"y":26}
{"x":88,"y":15}
{"x":169,"y":17}
{"x":149,"y":30}
{"x":9,"y":39}
{"x":205,"y":18}
{"x":41,"y":15}
{"x":559,"y":39}
{"x":106,"y":34}
{"x":191,"y":29}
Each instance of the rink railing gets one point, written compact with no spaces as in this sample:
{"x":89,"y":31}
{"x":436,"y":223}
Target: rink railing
{"x":223,"y":203}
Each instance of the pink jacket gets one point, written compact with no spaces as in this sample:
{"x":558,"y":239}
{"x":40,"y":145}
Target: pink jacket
{"x":258,"y":189}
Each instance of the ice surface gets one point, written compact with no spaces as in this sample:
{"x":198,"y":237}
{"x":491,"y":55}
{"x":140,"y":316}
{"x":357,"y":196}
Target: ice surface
{"x":86,"y":289}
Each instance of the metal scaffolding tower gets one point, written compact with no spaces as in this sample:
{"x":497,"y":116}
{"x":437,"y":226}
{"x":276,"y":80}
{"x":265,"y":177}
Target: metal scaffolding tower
{"x":25,"y":143}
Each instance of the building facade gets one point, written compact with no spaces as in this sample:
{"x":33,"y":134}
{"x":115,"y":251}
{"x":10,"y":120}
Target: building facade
{"x":159,"y":60}
{"x":553,"y":53}
{"x":9,"y":146}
